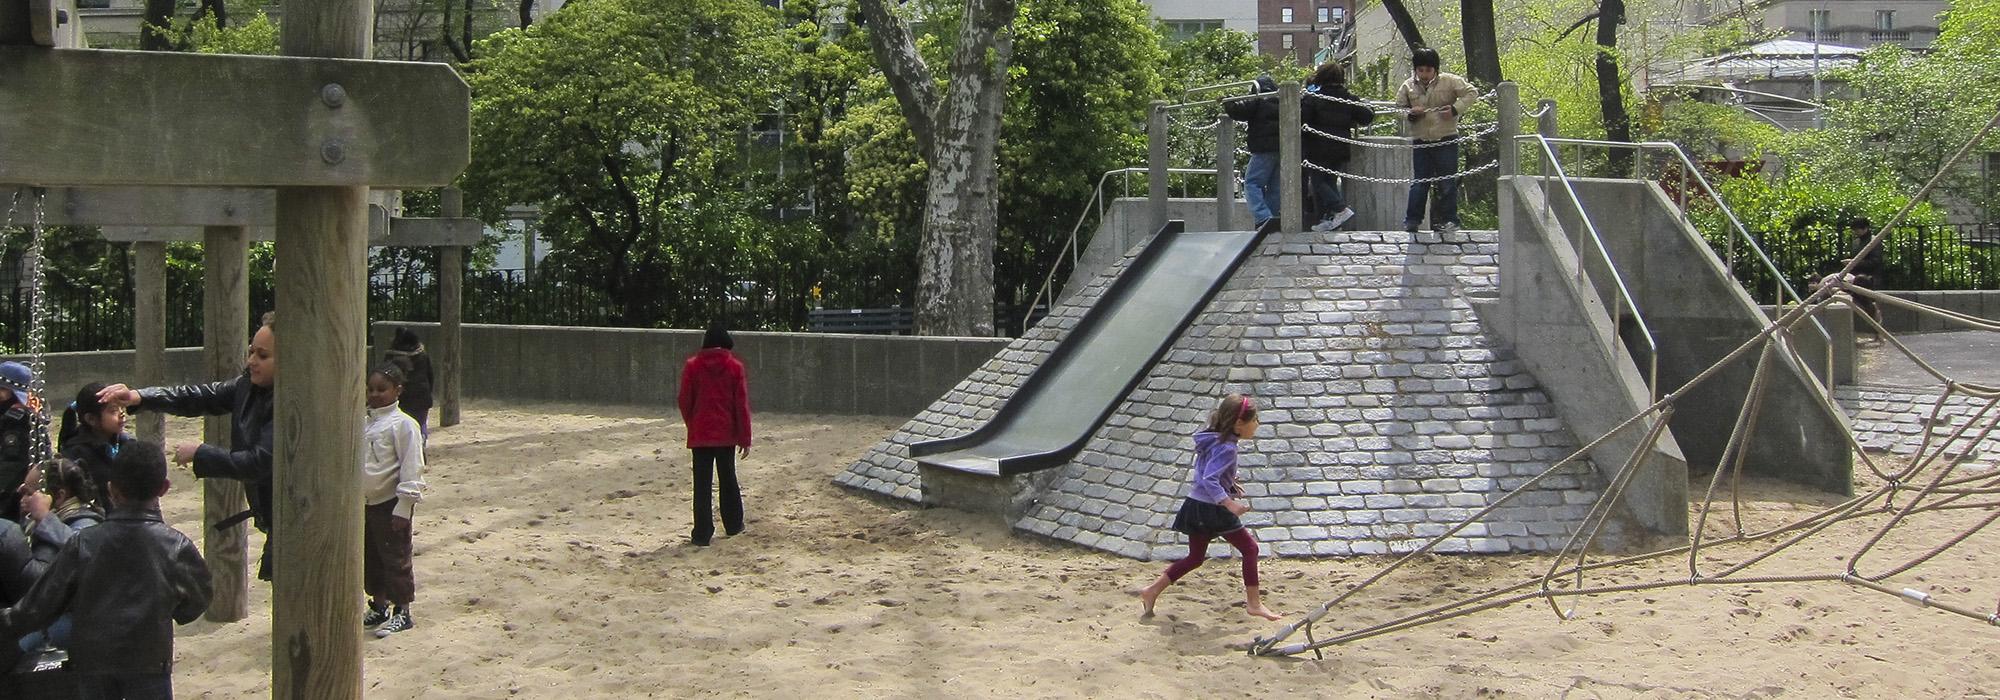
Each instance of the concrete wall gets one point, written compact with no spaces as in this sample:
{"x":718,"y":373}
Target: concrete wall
{"x":1982,"y":303}
{"x":828,"y":373}
{"x":1838,"y":318}
{"x":1560,"y":327}
{"x":1698,"y":314}
{"x":69,"y":371}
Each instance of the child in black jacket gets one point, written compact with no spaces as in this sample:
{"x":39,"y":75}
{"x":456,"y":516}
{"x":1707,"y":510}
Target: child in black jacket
{"x":125,"y":583}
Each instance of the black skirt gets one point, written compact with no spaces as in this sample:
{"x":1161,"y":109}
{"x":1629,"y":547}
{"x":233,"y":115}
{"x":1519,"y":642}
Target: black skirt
{"x":1203,"y":518}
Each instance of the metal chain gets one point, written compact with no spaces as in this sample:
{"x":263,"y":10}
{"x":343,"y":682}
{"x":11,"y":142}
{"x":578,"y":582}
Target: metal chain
{"x":1490,"y":127}
{"x":38,"y":318}
{"x":1379,"y":107}
{"x":1404,"y":180}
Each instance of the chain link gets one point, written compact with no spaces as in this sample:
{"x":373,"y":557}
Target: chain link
{"x":1379,"y":107}
{"x":1403,"y":180}
{"x":38,"y":417}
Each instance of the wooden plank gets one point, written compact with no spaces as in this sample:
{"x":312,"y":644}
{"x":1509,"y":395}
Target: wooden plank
{"x":154,"y":206}
{"x":98,"y":117}
{"x":225,"y":314}
{"x":450,"y":341}
{"x":149,"y":331}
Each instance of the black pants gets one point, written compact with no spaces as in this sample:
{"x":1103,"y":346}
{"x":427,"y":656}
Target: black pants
{"x":709,"y":461}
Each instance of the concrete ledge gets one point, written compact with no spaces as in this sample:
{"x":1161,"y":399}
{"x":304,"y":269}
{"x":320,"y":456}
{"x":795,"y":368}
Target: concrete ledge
{"x":1838,"y":318}
{"x":1982,"y":303}
{"x":69,"y":371}
{"x":828,"y":373}
{"x":1006,"y":497}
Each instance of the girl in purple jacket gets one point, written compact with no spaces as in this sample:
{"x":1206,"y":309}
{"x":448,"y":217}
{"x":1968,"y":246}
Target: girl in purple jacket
{"x":1215,"y":501}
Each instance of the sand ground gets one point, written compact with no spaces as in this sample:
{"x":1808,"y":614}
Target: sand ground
{"x":552,"y":562}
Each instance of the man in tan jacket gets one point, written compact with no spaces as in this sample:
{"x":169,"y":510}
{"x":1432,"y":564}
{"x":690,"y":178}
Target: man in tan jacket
{"x":1435,"y":99}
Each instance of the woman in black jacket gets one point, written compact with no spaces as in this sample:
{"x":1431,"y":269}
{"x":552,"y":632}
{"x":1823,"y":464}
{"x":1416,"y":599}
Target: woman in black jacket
{"x":1338,"y":119}
{"x":247,"y":400}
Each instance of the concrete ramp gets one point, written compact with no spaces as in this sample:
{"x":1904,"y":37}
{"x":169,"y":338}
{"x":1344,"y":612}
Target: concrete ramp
{"x":1091,"y":371}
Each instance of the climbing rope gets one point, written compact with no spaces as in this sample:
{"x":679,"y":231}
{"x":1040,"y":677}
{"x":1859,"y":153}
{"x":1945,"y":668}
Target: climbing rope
{"x":1942,"y":491}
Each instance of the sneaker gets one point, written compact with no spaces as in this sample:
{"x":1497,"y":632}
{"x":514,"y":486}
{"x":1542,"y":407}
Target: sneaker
{"x":399,"y":621}
{"x":1410,"y":226}
{"x":376,"y":615}
{"x":1446,"y":227}
{"x":1324,"y":225}
{"x":1342,"y":217}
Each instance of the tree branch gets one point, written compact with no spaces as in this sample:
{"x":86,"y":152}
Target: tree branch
{"x":916,"y":91}
{"x":1578,"y":25}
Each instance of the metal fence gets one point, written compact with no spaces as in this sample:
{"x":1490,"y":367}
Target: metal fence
{"x":1949,"y":257}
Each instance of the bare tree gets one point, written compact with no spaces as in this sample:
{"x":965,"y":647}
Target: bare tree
{"x":1405,"y":23}
{"x":958,"y":135}
{"x":1482,"y":44}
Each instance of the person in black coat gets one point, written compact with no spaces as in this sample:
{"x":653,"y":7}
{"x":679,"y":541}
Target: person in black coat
{"x":1260,"y":177}
{"x":92,"y":434}
{"x":1338,"y":119}
{"x":247,"y":400}
{"x":406,"y":352}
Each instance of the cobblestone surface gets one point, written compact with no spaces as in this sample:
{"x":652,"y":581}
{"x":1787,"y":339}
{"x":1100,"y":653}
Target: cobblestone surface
{"x":1896,"y":421}
{"x":1389,"y":414}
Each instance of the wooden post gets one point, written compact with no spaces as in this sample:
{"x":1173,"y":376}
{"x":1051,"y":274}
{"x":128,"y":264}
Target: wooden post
{"x":449,"y":340}
{"x":1157,"y":163}
{"x":1225,"y":173}
{"x":1291,"y":185}
{"x":225,"y":314}
{"x":1510,"y":125}
{"x":149,"y":331}
{"x":321,"y":341}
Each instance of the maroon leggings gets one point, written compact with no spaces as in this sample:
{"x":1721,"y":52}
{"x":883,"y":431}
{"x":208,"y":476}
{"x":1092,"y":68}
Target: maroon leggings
{"x":1240,"y":538}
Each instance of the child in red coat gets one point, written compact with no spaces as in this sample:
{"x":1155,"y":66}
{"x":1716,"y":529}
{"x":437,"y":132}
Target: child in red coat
{"x":715,"y":406}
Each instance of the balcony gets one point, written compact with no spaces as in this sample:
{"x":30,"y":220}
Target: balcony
{"x":1880,"y":36}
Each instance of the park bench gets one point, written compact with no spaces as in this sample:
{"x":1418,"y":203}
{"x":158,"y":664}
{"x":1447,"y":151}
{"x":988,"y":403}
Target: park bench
{"x":893,"y":321}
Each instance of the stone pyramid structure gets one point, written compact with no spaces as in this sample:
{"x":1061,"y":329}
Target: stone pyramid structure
{"x":1389,"y":412}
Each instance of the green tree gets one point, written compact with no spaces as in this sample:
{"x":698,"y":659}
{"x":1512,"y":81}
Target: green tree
{"x":621,"y":118}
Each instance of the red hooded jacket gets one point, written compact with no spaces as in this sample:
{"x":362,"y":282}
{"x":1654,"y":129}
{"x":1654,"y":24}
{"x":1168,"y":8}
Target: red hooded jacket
{"x":715,"y":400}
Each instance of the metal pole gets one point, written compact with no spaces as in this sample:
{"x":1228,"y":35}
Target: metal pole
{"x":1225,"y":172}
{"x":1157,"y":163}
{"x":1291,"y":213}
{"x":1510,"y":124}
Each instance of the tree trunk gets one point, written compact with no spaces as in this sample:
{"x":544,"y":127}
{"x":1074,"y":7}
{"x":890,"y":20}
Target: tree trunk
{"x":1405,"y":24}
{"x":959,"y":137}
{"x":527,"y":13}
{"x":1482,"y":46}
{"x":1610,"y":87}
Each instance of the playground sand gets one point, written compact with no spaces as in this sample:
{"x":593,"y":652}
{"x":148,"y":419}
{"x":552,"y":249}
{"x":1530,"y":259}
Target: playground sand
{"x":551,"y":563}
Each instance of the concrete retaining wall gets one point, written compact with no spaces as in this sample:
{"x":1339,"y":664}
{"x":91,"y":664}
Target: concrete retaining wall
{"x":1982,"y":303}
{"x":69,"y":371}
{"x":827,"y":373}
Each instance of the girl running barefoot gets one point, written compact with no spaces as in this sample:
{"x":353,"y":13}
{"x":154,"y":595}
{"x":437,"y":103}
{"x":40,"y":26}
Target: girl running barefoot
{"x":1214,"y":502}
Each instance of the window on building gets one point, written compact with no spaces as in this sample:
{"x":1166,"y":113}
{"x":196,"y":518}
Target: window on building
{"x":1286,"y":41}
{"x":1323,"y":14}
{"x":1339,"y":15}
{"x":1885,"y":20}
{"x":1285,"y":15}
{"x":1185,"y":29}
{"x":1819,"y":21}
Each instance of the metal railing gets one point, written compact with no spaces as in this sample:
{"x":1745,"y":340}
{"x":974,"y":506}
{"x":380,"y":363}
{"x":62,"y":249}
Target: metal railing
{"x":1625,"y":300}
{"x":1071,"y":252}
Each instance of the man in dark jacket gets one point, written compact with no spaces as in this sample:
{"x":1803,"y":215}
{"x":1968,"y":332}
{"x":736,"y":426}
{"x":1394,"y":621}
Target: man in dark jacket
{"x":247,"y":400}
{"x":1260,"y":177}
{"x":1339,"y":119}
{"x":125,"y":583}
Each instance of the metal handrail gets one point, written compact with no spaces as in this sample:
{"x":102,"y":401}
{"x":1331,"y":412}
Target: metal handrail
{"x":1687,"y":165}
{"x":1070,"y":248}
{"x":1624,"y":292}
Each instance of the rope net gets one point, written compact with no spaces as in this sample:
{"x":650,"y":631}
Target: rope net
{"x":1723,"y":547}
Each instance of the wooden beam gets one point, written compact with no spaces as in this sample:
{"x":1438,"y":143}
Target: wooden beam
{"x":225,"y":332}
{"x":382,"y":232}
{"x":450,"y":341}
{"x":97,"y":117}
{"x":154,"y":206}
{"x":149,"y":331}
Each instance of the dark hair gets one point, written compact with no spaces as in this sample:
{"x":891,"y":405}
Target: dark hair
{"x":1231,"y":410}
{"x":406,"y":339}
{"x":140,"y":470}
{"x":86,"y":404}
{"x":1265,"y":83}
{"x":390,"y":372}
{"x":717,"y":337}
{"x":1861,"y":222}
{"x":68,"y":475}
{"x":1329,"y":75}
{"x":1424,"y":56}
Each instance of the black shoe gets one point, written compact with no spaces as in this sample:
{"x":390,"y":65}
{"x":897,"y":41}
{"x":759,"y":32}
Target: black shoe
{"x":733,"y":533}
{"x":399,"y":621}
{"x":698,"y":541}
{"x":377,"y":614}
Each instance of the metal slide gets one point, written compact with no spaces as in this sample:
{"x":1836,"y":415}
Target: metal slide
{"x":1111,"y":349}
